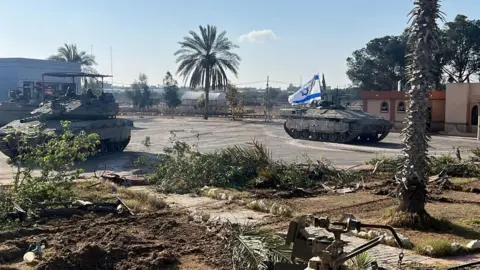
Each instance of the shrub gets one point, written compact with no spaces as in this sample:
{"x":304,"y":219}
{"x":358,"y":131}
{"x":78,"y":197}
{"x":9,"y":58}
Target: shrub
{"x":54,"y":157}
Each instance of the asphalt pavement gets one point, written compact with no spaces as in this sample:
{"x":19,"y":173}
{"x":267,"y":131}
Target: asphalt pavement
{"x":217,"y":133}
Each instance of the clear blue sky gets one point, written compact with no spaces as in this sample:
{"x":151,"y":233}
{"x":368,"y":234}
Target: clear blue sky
{"x":312,"y":35}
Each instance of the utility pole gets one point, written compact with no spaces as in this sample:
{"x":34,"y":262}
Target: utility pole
{"x":111,"y":63}
{"x":266,"y":101}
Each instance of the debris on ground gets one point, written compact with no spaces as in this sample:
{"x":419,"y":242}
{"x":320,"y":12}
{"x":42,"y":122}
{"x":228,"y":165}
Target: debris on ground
{"x":123,"y":180}
{"x":68,"y":209}
{"x":146,"y":241}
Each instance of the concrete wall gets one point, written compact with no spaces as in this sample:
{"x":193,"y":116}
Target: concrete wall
{"x":392,"y":105}
{"x":461,"y":101}
{"x":14,"y":71}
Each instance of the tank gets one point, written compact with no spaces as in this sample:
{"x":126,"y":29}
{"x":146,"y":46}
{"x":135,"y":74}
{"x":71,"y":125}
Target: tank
{"x":86,"y":113}
{"x":19,"y":106}
{"x":329,"y":122}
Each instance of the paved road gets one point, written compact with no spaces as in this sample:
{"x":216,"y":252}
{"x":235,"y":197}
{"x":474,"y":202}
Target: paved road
{"x":218,"y":133}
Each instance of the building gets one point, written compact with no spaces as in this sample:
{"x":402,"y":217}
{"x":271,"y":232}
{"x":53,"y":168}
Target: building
{"x":25,"y":73}
{"x":217,"y":102}
{"x":452,"y":112}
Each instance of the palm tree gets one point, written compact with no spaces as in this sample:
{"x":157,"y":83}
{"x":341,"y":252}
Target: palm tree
{"x":70,"y":53}
{"x":204,"y":59}
{"x":422,"y":66}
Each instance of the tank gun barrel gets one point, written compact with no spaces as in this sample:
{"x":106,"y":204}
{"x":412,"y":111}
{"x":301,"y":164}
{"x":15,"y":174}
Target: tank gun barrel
{"x":30,"y":119}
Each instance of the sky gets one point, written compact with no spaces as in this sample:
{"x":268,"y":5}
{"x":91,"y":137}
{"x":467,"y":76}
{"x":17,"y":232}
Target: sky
{"x":288,"y":41}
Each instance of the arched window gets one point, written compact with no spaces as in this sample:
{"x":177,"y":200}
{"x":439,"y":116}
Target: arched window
{"x":384,"y":107}
{"x":401,"y":107}
{"x":474,"y":120}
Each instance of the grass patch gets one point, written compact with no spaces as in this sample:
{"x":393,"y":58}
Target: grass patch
{"x":107,"y":191}
{"x":454,"y":166}
{"x":462,"y":180}
{"x":435,"y":248}
{"x":470,"y":222}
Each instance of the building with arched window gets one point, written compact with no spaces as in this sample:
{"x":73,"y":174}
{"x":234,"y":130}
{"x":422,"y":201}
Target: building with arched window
{"x":392,"y":106}
{"x":453,"y":111}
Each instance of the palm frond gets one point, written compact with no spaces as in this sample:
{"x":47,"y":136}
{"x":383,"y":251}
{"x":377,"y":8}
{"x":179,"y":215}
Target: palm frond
{"x":256,"y":250}
{"x":362,"y":261}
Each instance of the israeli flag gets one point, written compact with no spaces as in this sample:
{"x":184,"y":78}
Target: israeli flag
{"x":307,"y":93}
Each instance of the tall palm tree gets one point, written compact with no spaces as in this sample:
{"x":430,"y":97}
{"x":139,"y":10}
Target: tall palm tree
{"x":70,"y":53}
{"x":422,"y":66}
{"x":204,"y":59}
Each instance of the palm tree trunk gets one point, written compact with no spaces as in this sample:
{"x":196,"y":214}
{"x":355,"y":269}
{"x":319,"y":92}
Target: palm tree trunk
{"x":207,"y":90}
{"x":422,"y":67}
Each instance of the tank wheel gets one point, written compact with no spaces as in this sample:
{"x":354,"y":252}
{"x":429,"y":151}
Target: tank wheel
{"x":343,"y":137}
{"x":295,"y":133}
{"x":332,"y":137}
{"x":304,"y":134}
{"x":112,"y":146}
{"x":324,"y":137}
{"x":363,"y":138}
{"x":103,"y":146}
{"x":314,"y":136}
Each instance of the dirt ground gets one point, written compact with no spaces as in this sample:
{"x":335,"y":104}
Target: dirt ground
{"x":161,"y":240}
{"x":461,"y":209}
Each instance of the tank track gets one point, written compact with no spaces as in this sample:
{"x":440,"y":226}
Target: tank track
{"x":354,"y":133}
{"x":105,"y":147}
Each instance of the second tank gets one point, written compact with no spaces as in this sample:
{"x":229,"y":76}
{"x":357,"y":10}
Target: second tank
{"x":86,"y":113}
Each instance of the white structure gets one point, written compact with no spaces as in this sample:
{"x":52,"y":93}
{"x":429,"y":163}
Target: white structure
{"x":217,"y":102}
{"x":26,"y":73}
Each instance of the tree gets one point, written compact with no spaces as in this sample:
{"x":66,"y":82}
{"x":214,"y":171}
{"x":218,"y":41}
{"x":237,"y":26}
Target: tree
{"x":170,"y":94}
{"x":380,"y":65}
{"x":70,"y":53}
{"x":234,"y":98}
{"x":461,"y":48}
{"x":140,"y":95}
{"x":168,"y":80}
{"x":421,"y":69}
{"x":201,"y":101}
{"x":204,"y":59}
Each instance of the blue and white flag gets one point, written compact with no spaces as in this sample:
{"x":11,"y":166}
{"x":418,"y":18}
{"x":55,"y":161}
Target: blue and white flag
{"x":307,"y":93}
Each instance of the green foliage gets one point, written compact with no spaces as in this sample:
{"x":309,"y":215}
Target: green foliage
{"x":201,"y":101}
{"x":141,"y":95}
{"x":70,"y":53}
{"x":234,"y":98}
{"x":437,"y":247}
{"x":204,"y":59}
{"x":457,"y":55}
{"x":454,"y":166}
{"x":461,"y":48}
{"x":54,"y":157}
{"x":256,"y":250}
{"x":380,"y":65}
{"x":170,"y":94}
{"x":361,"y":261}
{"x":184,"y":169}
{"x":270,"y":97}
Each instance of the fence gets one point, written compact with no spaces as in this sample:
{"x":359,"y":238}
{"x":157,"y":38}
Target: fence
{"x":215,"y":110}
